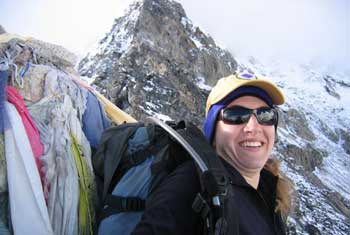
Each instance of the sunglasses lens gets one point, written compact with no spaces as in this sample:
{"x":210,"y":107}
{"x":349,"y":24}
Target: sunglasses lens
{"x":267,"y":116}
{"x":236,"y":115}
{"x":239,"y":115}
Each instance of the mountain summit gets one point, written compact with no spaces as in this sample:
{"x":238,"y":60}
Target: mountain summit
{"x":154,"y":61}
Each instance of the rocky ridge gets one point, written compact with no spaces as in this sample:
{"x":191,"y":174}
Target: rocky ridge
{"x":152,"y":61}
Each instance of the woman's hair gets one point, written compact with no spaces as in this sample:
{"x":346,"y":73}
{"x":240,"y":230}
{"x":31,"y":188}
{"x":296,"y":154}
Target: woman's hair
{"x":284,"y":188}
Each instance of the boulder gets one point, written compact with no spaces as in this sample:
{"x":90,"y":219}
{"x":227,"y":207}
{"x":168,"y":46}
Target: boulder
{"x":47,"y":53}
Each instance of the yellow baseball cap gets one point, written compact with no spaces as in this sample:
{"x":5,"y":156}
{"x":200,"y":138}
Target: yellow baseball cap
{"x":230,"y":83}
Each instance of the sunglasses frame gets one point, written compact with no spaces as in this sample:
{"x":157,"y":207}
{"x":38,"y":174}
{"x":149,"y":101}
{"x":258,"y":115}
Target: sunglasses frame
{"x":251,"y":112}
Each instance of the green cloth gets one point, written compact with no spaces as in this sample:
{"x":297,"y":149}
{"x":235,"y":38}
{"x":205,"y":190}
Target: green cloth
{"x":4,"y":205}
{"x":87,"y":191}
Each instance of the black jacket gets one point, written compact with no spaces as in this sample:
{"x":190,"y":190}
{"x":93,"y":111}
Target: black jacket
{"x":169,"y":209}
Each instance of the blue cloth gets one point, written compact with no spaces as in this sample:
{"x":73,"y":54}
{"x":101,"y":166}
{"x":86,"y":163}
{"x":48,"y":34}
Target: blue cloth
{"x":4,"y":119}
{"x":95,"y":120}
{"x":25,"y":70}
{"x":210,"y":120}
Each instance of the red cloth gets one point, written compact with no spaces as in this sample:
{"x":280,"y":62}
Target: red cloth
{"x":32,"y":132}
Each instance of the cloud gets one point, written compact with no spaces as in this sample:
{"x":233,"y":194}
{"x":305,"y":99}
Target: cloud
{"x":73,"y":24}
{"x":302,"y":30}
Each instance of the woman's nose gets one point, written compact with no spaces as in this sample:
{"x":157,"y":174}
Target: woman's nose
{"x":252,"y":124}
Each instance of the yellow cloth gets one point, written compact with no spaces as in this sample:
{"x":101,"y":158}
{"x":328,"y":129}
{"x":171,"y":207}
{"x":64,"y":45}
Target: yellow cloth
{"x":86,"y":191}
{"x":5,"y":37}
{"x":117,"y":115}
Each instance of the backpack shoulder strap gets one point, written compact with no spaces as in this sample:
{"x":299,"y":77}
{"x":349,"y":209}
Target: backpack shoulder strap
{"x":210,"y":202}
{"x":212,"y":174}
{"x":215,"y":177}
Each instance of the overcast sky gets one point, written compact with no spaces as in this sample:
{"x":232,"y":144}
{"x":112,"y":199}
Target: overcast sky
{"x":301,"y":30}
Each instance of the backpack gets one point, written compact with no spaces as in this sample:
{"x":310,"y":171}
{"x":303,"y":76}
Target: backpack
{"x":133,"y":159}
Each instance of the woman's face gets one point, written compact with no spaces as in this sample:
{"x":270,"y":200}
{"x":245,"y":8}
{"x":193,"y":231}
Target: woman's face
{"x":245,"y":146}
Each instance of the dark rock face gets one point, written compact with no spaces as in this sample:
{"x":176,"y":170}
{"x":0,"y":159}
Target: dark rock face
{"x":297,"y":123}
{"x":2,"y":30}
{"x":345,"y":139}
{"x":155,"y":62}
{"x":329,"y":87}
{"x":343,"y":206}
{"x":307,"y":157}
{"x":160,"y":69}
{"x":328,"y":132}
{"x":312,"y":230}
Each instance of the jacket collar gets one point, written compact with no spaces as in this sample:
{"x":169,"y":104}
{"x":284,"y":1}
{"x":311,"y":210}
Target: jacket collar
{"x":267,"y":182}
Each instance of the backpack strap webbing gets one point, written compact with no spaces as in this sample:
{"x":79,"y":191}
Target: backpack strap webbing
{"x":116,"y":204}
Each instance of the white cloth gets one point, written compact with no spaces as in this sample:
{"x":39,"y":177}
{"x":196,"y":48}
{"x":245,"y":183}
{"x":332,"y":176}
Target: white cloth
{"x":51,"y":114}
{"x":56,"y":115}
{"x":57,"y":82}
{"x":29,"y":214}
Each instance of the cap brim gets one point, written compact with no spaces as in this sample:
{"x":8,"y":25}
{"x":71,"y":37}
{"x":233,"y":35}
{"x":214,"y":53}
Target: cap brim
{"x":228,"y":84}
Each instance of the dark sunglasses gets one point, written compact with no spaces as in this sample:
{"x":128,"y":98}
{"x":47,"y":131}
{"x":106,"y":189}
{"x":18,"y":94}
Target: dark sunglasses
{"x":238,"y":115}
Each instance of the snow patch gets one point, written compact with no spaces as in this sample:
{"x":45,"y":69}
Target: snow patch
{"x":198,"y":44}
{"x":87,"y":79}
{"x":152,"y":113}
{"x":187,"y":23}
{"x":147,"y":88}
{"x":200,"y":82}
{"x":118,"y":40}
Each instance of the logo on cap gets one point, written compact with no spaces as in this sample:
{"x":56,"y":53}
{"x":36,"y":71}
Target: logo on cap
{"x":247,"y":76}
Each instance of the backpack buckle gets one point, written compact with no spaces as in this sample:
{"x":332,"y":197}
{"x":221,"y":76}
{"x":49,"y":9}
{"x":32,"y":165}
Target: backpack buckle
{"x":200,"y":206}
{"x":222,"y":182}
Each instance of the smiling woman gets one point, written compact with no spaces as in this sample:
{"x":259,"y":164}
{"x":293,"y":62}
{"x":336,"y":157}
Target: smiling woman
{"x":245,"y":142}
{"x":246,"y":145}
{"x":241,"y":124}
